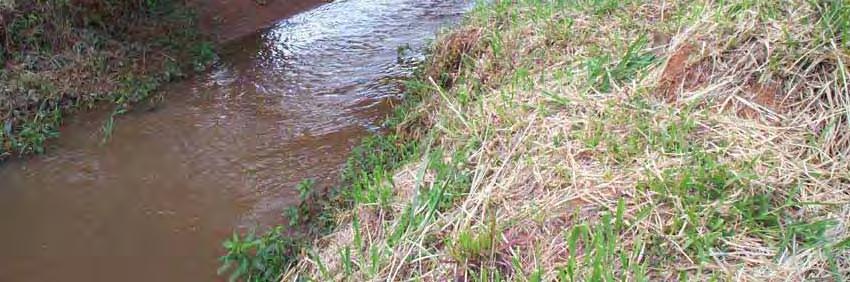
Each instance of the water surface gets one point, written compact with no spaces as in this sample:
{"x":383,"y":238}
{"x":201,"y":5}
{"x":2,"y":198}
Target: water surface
{"x":223,"y":152}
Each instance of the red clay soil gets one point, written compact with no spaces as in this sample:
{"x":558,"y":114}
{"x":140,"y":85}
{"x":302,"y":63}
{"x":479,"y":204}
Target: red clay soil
{"x":230,"y":19}
{"x":764,"y":95}
{"x":680,"y":74}
{"x":674,"y":73}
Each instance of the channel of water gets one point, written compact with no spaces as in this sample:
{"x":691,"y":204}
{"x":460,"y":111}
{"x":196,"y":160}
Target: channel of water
{"x":223,"y":152}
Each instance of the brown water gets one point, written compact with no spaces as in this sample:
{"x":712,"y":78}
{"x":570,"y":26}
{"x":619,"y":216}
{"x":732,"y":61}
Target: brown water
{"x":229,"y":19}
{"x":223,"y":152}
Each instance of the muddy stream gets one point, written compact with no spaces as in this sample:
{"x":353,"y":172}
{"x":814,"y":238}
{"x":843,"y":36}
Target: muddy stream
{"x":223,"y":152}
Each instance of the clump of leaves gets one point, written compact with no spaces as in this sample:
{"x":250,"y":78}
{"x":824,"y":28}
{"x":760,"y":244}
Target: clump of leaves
{"x":258,"y":258}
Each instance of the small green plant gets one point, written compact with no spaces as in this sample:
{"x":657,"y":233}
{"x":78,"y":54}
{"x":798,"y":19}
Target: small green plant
{"x":300,"y":212}
{"x":107,"y":128}
{"x":472,"y":246}
{"x":596,"y":251}
{"x":305,"y":187}
{"x":203,"y":55}
{"x":258,"y":259}
{"x":603,"y":73}
{"x":33,"y":134}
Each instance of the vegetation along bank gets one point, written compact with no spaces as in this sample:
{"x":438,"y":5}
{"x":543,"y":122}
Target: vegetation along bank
{"x":600,"y":140}
{"x":60,"y":56}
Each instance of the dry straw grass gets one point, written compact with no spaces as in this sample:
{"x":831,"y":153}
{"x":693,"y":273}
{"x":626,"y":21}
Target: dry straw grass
{"x":610,"y":140}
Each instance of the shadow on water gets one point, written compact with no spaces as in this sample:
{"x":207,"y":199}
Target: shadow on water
{"x":224,"y":151}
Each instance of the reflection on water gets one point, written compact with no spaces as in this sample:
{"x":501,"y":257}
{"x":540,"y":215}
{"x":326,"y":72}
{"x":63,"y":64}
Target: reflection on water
{"x":223,"y":151}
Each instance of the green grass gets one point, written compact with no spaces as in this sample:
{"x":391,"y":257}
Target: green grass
{"x":602,"y":249}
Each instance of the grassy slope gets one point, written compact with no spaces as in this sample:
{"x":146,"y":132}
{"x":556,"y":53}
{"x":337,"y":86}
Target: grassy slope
{"x":606,"y":140}
{"x":58,"y":56}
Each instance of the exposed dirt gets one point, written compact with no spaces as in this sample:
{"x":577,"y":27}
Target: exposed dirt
{"x":684,"y":74}
{"x":230,"y":19}
{"x":680,"y":74}
{"x":764,"y":95}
